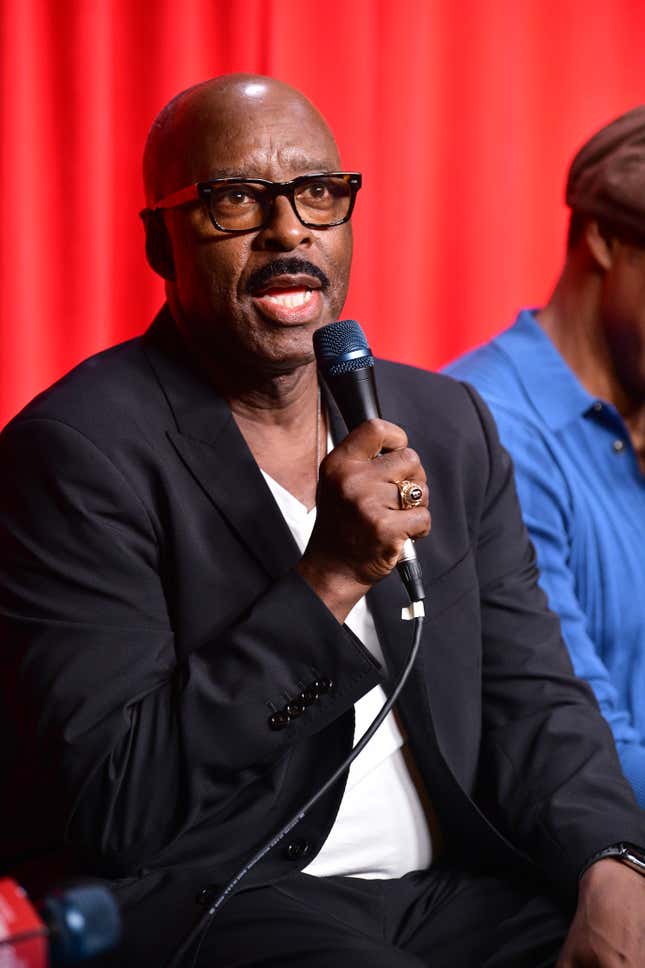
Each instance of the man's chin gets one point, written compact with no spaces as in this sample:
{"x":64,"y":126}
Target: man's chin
{"x":288,"y":365}
{"x":242,"y":366}
{"x":267,"y":344}
{"x":290,"y":350}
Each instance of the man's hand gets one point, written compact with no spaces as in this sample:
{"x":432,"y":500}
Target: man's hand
{"x":608,"y":929}
{"x":360,"y":528}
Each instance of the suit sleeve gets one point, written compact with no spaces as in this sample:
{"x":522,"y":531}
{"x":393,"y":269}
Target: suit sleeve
{"x":130,"y":746}
{"x":549,"y":766}
{"x":545,"y":504}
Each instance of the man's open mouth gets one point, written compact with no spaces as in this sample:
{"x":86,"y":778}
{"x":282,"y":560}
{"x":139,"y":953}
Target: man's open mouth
{"x":289,"y":297}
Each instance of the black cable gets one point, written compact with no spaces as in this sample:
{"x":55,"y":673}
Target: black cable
{"x":201,"y":927}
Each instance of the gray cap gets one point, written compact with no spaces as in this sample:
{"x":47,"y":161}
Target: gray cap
{"x":607,"y":176}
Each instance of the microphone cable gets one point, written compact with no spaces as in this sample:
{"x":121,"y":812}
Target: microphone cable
{"x":199,"y":931}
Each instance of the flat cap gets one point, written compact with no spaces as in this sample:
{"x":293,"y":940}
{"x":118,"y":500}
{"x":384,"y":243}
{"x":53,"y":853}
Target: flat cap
{"x":607,"y":176}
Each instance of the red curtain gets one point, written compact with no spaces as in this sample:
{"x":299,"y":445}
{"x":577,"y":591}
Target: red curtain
{"x":462,"y":114}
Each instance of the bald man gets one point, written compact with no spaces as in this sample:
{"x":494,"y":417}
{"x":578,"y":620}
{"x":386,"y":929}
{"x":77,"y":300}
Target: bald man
{"x":200,"y":615}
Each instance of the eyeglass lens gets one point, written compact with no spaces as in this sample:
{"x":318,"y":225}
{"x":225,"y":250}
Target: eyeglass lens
{"x":243,"y":205}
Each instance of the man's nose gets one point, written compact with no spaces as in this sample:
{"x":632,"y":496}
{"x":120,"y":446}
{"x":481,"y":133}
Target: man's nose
{"x":284,"y":231}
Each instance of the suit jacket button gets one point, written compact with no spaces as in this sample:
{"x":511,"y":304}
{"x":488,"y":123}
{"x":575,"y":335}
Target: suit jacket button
{"x":308,"y":696}
{"x":294,"y":708}
{"x":206,"y":896}
{"x":279,"y":720}
{"x":297,"y":849}
{"x":323,"y":685}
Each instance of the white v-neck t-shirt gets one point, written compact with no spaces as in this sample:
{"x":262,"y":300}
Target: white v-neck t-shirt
{"x":381,"y":829}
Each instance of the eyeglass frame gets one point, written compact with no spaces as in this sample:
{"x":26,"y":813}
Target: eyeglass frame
{"x":200,"y":191}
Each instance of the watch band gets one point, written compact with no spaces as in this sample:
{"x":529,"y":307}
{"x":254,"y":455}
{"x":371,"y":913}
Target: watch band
{"x":629,"y":854}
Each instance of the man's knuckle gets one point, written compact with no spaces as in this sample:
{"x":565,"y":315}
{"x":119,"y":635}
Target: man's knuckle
{"x":410,"y":456}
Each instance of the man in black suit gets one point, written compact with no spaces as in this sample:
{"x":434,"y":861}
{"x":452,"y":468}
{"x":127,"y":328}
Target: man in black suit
{"x":177,"y":678}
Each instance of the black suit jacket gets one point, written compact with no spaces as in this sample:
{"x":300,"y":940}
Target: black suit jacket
{"x":152,"y":622}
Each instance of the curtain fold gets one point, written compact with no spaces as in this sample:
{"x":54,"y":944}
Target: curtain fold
{"x":462,"y":115}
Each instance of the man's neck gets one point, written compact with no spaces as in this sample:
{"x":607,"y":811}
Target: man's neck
{"x":284,"y":427}
{"x":572,"y":321}
{"x":277,"y":409}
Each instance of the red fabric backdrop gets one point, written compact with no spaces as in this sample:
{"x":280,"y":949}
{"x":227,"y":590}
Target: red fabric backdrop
{"x":462,"y":114}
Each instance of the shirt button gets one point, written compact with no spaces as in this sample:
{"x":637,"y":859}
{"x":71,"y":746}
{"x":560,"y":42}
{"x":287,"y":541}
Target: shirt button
{"x":279,"y":720}
{"x":618,"y":446}
{"x":297,"y":849}
{"x":597,"y":406}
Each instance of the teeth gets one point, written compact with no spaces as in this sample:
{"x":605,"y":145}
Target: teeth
{"x":291,"y":300}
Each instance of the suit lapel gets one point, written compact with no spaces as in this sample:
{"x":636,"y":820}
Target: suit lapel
{"x":228,"y":473}
{"x":211,"y":446}
{"x":464,"y":825}
{"x":385,"y":600}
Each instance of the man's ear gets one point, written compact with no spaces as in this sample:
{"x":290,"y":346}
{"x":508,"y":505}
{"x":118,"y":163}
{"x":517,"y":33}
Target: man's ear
{"x":600,"y":248}
{"x":158,"y":247}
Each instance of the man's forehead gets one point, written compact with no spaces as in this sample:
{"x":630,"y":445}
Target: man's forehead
{"x":280,"y":111}
{"x":257,"y":151}
{"x":253,"y":163}
{"x":238,"y":126}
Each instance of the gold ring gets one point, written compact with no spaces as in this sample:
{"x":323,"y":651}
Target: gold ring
{"x":410,"y":494}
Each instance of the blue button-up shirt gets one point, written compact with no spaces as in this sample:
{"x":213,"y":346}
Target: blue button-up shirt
{"x":583,"y":499}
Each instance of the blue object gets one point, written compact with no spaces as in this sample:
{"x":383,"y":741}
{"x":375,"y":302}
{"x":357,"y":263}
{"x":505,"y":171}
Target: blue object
{"x":342,"y":347}
{"x":83,"y":921}
{"x":583,"y":500}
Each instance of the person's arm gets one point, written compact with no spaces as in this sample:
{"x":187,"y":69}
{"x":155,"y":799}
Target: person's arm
{"x":608,"y":930}
{"x":129,"y":746}
{"x":546,"y":509}
{"x":549,"y":770}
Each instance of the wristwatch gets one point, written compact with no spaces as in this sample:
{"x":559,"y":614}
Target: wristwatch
{"x":628,"y":854}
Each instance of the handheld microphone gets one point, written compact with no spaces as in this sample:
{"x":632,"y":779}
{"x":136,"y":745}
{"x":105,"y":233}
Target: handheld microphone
{"x":347,"y":366}
{"x":66,"y":927}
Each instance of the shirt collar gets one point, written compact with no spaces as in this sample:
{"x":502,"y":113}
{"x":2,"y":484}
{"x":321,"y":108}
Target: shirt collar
{"x":553,"y":388}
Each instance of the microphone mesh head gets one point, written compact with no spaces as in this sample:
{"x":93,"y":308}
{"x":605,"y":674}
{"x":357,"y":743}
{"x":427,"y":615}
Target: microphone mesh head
{"x":333,"y":344}
{"x":83,"y":920}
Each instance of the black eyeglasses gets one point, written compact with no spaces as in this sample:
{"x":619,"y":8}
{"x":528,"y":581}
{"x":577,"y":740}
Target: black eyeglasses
{"x":242,"y":205}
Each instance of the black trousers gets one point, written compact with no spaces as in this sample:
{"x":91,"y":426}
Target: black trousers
{"x":438,"y":918}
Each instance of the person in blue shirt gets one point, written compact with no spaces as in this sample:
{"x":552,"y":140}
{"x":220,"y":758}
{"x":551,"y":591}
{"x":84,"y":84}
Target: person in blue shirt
{"x":566,"y":385}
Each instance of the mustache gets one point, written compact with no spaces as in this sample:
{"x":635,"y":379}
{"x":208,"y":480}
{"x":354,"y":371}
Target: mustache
{"x":284,"y":267}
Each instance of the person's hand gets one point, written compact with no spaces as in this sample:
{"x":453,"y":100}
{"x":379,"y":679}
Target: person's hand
{"x":608,"y":929}
{"x":360,"y":527}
